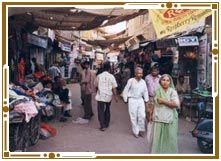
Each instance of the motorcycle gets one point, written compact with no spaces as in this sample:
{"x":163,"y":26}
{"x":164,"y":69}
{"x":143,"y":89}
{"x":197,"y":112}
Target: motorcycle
{"x":203,"y":130}
{"x":21,"y":133}
{"x":48,"y":103}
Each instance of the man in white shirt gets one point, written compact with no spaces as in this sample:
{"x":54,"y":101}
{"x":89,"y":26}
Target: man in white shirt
{"x":106,"y":84}
{"x":135,"y":93}
{"x":54,"y":71}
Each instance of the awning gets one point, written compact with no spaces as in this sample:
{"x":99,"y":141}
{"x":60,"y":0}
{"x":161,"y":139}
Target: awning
{"x":114,"y":35}
{"x":134,"y":47}
{"x":110,"y":11}
{"x":107,"y":43}
{"x":118,"y":19}
{"x":145,"y":43}
{"x":70,"y":18}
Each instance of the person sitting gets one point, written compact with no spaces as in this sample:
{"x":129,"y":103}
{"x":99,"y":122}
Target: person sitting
{"x":63,"y":93}
{"x":182,"y":88}
{"x":58,"y":89}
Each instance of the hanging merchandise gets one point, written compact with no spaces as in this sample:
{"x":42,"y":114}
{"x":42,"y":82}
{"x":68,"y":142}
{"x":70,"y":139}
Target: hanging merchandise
{"x":175,"y":71}
{"x":21,"y":70}
{"x":190,"y":55}
{"x":155,"y":58}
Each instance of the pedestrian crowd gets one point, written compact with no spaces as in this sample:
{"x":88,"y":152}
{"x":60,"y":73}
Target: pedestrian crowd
{"x":152,"y":101}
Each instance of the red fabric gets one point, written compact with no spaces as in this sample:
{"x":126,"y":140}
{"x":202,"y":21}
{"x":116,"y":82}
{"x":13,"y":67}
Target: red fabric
{"x":38,"y":74}
{"x":52,"y":130}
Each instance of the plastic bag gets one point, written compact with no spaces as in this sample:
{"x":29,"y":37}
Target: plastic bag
{"x":52,"y":130}
{"x":150,"y":131}
{"x":44,"y":134}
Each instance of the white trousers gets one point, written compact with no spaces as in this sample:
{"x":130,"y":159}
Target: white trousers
{"x":137,"y":114}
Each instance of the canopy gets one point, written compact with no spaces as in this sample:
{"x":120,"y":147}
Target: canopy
{"x":69,"y":18}
{"x":107,"y":43}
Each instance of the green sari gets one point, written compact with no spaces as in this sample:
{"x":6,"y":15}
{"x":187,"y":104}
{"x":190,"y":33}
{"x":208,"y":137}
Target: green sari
{"x":165,"y":134}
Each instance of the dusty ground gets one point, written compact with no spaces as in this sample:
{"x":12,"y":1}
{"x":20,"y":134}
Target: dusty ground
{"x":117,"y":139}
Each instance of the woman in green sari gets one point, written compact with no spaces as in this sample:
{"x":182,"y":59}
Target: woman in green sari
{"x":165,"y":134}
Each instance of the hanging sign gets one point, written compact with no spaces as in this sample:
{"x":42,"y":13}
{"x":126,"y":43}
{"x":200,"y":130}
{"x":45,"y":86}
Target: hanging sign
{"x":188,"y":41}
{"x":37,"y":40}
{"x":167,"y":22}
{"x":65,"y":47}
{"x":165,"y":43}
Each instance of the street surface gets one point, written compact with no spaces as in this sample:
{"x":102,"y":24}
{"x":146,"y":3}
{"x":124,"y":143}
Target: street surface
{"x":117,"y":139}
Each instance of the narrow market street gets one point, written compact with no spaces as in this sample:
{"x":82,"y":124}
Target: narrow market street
{"x":117,"y":139}
{"x":159,"y":60}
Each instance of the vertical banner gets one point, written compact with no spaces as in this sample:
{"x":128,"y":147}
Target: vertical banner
{"x":167,"y":22}
{"x":202,"y":59}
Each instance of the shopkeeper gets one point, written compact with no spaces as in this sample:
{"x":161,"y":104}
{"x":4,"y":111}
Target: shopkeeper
{"x":182,"y":88}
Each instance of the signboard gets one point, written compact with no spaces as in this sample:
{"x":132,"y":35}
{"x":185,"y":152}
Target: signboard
{"x":165,"y":43}
{"x":37,"y":40}
{"x":202,"y":59}
{"x":169,"y":21}
{"x":65,"y":47}
{"x":188,"y":41}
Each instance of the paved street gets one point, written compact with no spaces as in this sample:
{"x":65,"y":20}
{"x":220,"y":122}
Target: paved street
{"x":117,"y":139}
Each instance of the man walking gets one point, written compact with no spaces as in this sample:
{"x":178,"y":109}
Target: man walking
{"x":152,"y":82}
{"x":54,"y":71}
{"x":87,"y":90}
{"x":135,"y":93}
{"x":106,"y":84}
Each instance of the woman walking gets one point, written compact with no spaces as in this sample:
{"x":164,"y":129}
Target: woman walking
{"x":165,"y":118}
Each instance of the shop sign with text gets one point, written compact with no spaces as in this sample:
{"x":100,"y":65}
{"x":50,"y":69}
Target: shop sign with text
{"x":38,"y":41}
{"x":170,"y":21}
{"x":188,"y":41}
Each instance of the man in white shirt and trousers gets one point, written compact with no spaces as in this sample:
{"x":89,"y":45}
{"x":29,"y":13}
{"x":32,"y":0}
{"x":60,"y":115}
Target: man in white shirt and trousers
{"x":136,"y":94}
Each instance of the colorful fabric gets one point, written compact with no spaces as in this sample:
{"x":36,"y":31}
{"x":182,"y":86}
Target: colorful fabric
{"x":28,"y":108}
